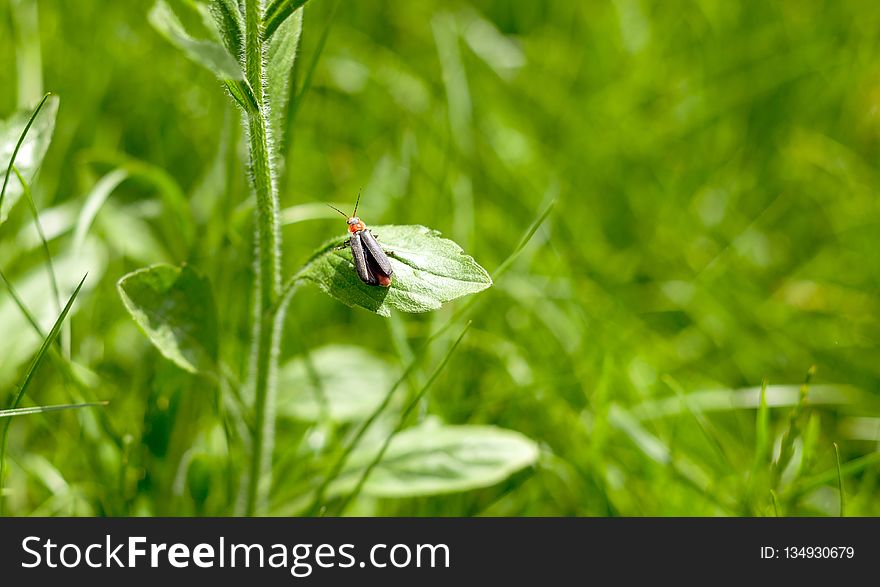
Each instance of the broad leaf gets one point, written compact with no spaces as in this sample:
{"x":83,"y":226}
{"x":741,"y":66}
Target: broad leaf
{"x":345,"y":382}
{"x":174,"y":306}
{"x":30,"y":154}
{"x":431,"y":459}
{"x":282,"y":50}
{"x":428,"y":271}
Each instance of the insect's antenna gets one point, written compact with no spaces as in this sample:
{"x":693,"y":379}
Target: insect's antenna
{"x":338,"y":210}
{"x":357,"y":202}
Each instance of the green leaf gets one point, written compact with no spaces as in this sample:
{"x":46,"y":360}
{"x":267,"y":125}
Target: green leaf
{"x":345,"y":382}
{"x":94,"y":201}
{"x":431,"y":459}
{"x":428,"y":271}
{"x":282,"y":48}
{"x":228,"y":20}
{"x":174,"y":307}
{"x":205,"y":52}
{"x":27,"y":149}
{"x":278,"y":13}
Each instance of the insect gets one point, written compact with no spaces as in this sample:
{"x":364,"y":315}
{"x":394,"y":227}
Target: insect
{"x":370,"y":261}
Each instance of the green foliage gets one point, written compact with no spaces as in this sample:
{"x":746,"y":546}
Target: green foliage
{"x":428,"y":271}
{"x":24,"y":140}
{"x":230,"y":23}
{"x":431,"y":459}
{"x":277,"y":13}
{"x":281,"y":55}
{"x":45,"y":409}
{"x":342,"y":382}
{"x":714,"y":172}
{"x":207,"y":52}
{"x":174,"y":307}
{"x":28,"y":378}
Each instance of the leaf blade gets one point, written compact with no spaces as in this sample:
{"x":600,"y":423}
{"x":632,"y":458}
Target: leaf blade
{"x":437,"y":459}
{"x":229,"y":22}
{"x":277,"y":14}
{"x":282,"y":50}
{"x":428,"y":271}
{"x":174,"y":307}
{"x":351,"y":384}
{"x":205,"y":52}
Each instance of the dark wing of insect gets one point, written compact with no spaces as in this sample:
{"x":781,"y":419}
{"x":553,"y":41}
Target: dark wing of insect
{"x":374,"y":250}
{"x":364,"y":271}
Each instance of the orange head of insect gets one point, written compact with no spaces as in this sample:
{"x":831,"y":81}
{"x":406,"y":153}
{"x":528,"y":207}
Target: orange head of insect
{"x":355,"y":224}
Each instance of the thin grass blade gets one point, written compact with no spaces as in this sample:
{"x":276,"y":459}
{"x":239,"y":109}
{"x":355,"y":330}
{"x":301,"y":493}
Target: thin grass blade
{"x":840,"y":481}
{"x":401,"y":422}
{"x":21,"y":138}
{"x":45,"y":409}
{"x":342,"y":459}
{"x":35,"y":364}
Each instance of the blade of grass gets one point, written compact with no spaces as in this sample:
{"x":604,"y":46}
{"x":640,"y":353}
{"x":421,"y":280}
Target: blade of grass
{"x":401,"y":422}
{"x":704,"y":424}
{"x":295,"y":103}
{"x":38,"y":359}
{"x":762,"y":428}
{"x":65,"y":335}
{"x":840,"y":481}
{"x":180,"y":232}
{"x":94,"y":201}
{"x":850,"y":468}
{"x":530,"y":232}
{"x":786,"y":449}
{"x":44,"y":409}
{"x":505,"y":265}
{"x":53,"y":280}
{"x":21,"y":138}
{"x":61,"y":362}
{"x":315,"y":506}
{"x":762,"y":446}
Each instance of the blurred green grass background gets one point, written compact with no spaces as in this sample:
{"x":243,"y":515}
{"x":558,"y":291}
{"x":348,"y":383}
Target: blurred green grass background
{"x":714,"y":169}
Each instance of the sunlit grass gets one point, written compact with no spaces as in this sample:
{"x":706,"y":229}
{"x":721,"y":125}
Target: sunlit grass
{"x":697,"y":191}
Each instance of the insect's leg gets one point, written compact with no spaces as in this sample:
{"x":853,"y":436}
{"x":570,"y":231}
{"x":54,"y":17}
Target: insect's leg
{"x":344,"y":245}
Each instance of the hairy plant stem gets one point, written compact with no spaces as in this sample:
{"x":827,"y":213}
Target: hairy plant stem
{"x":267,"y":315}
